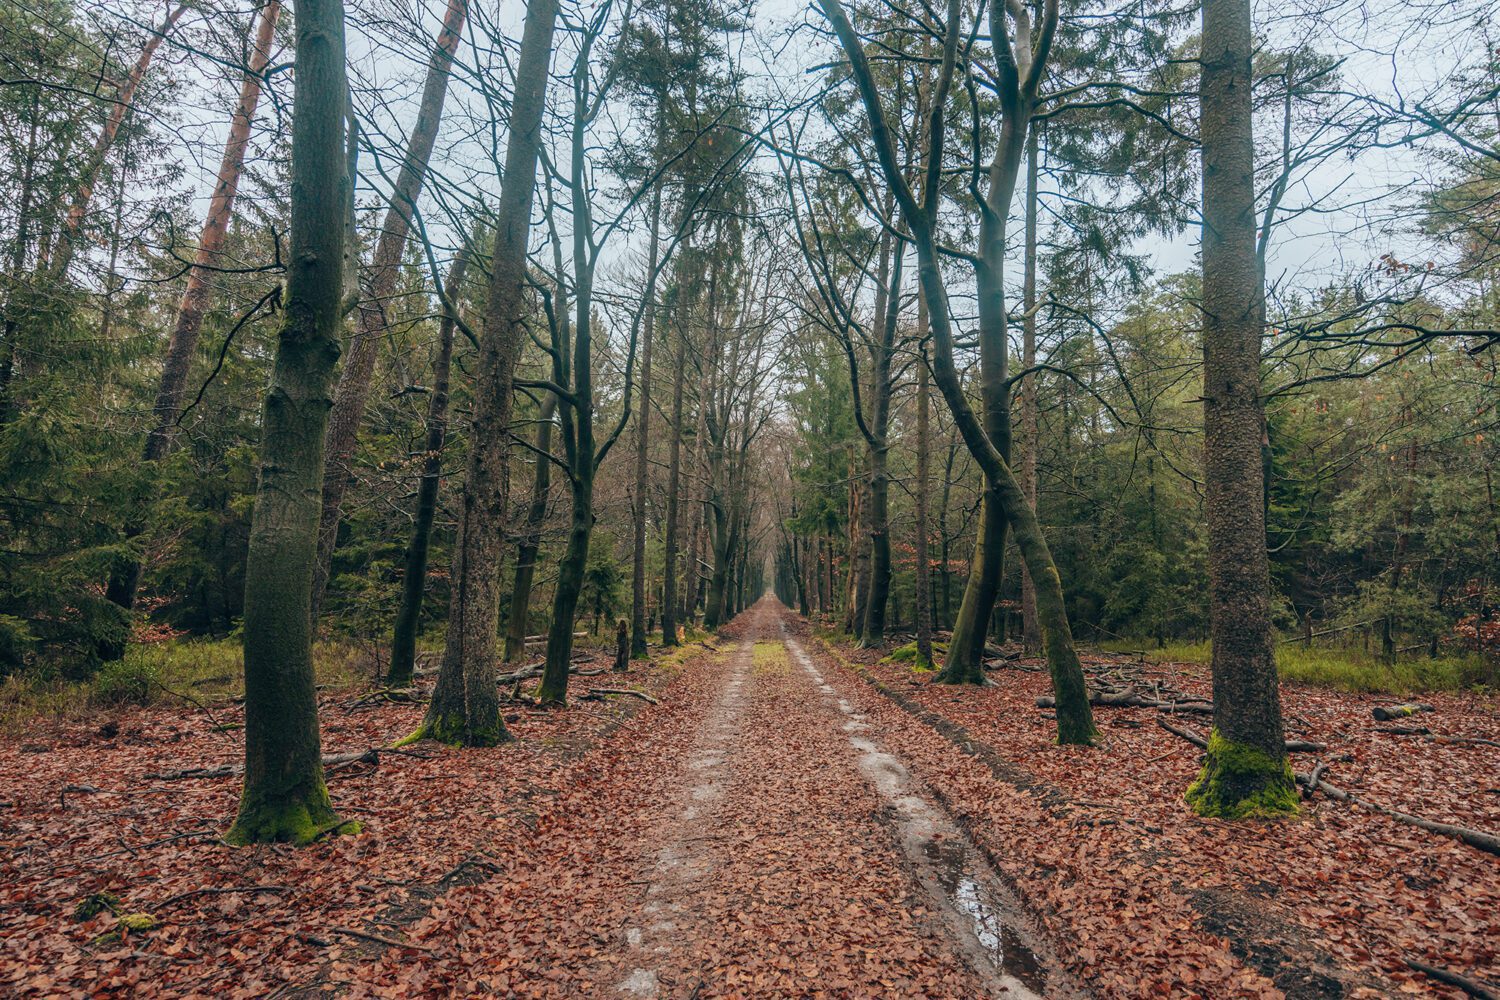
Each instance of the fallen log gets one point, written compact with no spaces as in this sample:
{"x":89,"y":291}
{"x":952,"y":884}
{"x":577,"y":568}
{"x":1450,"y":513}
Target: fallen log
{"x":1385,"y":713}
{"x":330,"y":761}
{"x":1487,"y":842}
{"x":601,"y":692}
{"x":1134,"y":699}
{"x":1470,"y":986}
{"x":1428,"y":736}
{"x":1292,"y":746}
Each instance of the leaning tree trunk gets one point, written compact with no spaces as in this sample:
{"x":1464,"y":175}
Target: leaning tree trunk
{"x":124,"y":100}
{"x":385,"y":271}
{"x":414,"y":580}
{"x":284,"y":798}
{"x":531,"y":539}
{"x":464,"y":708}
{"x":125,"y":576}
{"x":1245,"y":772}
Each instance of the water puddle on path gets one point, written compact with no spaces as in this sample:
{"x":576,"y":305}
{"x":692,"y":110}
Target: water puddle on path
{"x":946,"y":863}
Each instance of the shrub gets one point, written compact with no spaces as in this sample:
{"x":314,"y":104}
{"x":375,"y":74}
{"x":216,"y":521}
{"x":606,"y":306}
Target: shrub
{"x":126,"y":682}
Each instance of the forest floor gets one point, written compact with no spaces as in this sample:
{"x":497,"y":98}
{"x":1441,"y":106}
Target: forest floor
{"x":795,"y":818}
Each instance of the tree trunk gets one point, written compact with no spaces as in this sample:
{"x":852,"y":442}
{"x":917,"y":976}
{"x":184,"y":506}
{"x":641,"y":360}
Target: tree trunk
{"x":414,"y":581}
{"x":183,"y":345}
{"x":1245,"y":772}
{"x":531,"y":541}
{"x":1030,"y":430}
{"x":570,"y":574}
{"x":638,"y":590}
{"x":464,"y":708}
{"x":924,"y":444}
{"x":385,"y":271}
{"x":284,"y":798}
{"x":674,"y":483}
{"x":879,"y":587}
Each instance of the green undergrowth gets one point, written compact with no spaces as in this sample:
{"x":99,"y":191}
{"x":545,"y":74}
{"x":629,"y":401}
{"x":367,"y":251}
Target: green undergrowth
{"x":909,"y":654}
{"x":1345,"y":669}
{"x":768,"y":657}
{"x":164,"y":673}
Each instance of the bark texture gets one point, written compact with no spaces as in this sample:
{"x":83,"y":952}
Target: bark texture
{"x":1245,"y":771}
{"x":284,"y":798}
{"x":464,"y":708}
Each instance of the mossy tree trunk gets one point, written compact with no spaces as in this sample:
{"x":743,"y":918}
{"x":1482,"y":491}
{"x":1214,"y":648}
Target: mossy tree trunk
{"x":385,"y":271}
{"x":964,"y":663}
{"x":1022,"y":76}
{"x":464,"y":708}
{"x":1245,"y":772}
{"x":414,"y":581}
{"x":284,"y":798}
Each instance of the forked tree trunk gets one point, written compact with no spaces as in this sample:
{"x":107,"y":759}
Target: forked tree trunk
{"x":1075,"y":722}
{"x":1245,"y":772}
{"x":385,"y":271}
{"x":464,"y":708}
{"x":183,"y":344}
{"x":284,"y":798}
{"x":414,"y":580}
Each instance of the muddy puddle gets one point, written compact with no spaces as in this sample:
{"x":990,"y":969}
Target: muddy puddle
{"x":978,"y":910}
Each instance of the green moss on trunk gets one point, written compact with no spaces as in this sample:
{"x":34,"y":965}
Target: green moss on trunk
{"x":1242,"y":782}
{"x":297,"y":819}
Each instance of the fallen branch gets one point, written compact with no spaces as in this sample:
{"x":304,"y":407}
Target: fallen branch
{"x":601,"y":692}
{"x":1131,"y":698}
{"x":1469,"y":986}
{"x":535,"y":670}
{"x":1292,"y":746}
{"x":380,"y":938}
{"x":1487,"y":842}
{"x":62,"y":796}
{"x":370,"y":756}
{"x":1428,"y":736}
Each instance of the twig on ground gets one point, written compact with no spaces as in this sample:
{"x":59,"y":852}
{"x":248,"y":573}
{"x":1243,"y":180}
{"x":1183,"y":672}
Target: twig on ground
{"x":380,"y":938}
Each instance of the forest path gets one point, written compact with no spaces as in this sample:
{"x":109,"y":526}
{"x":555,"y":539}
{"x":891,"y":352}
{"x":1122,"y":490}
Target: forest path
{"x":797,"y":854}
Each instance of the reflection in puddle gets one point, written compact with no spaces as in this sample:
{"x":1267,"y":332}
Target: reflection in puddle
{"x":1006,"y":952}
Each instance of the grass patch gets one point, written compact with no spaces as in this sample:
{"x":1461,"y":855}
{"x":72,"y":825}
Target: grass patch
{"x":210,"y":670}
{"x":1345,"y":669}
{"x":769,"y":658}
